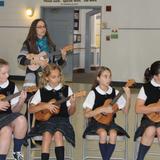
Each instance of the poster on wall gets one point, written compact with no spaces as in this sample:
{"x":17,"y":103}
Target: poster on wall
{"x":1,"y":3}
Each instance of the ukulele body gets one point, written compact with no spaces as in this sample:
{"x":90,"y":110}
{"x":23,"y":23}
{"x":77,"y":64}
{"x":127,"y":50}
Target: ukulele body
{"x":154,"y":116}
{"x":106,"y":118}
{"x":2,"y":96}
{"x":45,"y":114}
{"x":42,"y":56}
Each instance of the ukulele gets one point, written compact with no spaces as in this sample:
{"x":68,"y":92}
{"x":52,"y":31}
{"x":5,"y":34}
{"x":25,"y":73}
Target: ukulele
{"x":36,"y":59}
{"x":42,"y":56}
{"x":106,"y":118}
{"x":154,"y":116}
{"x":45,"y":114}
{"x":10,"y":97}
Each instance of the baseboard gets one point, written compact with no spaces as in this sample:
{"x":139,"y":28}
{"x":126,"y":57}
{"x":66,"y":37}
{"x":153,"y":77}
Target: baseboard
{"x":78,"y":70}
{"x":114,"y":83}
{"x":16,"y":78}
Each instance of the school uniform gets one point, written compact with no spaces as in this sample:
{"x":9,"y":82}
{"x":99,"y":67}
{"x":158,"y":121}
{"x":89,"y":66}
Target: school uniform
{"x":6,"y":117}
{"x":95,"y":99}
{"x":150,"y":93}
{"x":59,"y":122}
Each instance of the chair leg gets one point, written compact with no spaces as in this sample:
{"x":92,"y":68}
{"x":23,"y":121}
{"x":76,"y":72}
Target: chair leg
{"x":29,"y":157}
{"x":84,"y":149}
{"x":136,"y":150}
{"x":68,"y":151}
{"x":126,"y":148}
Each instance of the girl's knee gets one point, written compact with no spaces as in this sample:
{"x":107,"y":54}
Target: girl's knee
{"x":21,"y":120}
{"x":7,"y":131}
{"x":158,"y":133}
{"x":58,"y":135}
{"x":113,"y":136}
{"x":102,"y":136}
{"x":58,"y":138}
{"x":47,"y":136}
{"x":113,"y":133}
{"x":150,"y":132}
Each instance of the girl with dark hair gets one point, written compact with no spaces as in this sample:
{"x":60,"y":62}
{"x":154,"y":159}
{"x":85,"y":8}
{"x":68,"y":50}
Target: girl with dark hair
{"x":93,"y":105}
{"x":148,"y":103}
{"x":57,"y":125}
{"x":12,"y":123}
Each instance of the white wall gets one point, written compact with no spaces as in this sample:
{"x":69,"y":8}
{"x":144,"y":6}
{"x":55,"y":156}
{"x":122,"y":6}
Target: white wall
{"x":135,"y":49}
{"x":14,"y":25}
{"x":127,"y":56}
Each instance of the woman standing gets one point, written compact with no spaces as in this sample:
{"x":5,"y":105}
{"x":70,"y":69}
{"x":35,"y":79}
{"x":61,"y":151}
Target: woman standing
{"x":37,"y":51}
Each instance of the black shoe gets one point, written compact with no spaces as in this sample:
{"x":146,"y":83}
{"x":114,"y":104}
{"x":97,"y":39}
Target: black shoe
{"x":33,"y":145}
{"x":25,"y":143}
{"x":39,"y":142}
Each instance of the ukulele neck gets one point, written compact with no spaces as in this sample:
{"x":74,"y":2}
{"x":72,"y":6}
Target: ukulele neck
{"x":121,"y":91}
{"x":8,"y":98}
{"x":63,"y":100}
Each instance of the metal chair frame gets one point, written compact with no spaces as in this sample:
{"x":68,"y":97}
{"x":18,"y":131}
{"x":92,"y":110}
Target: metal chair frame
{"x":68,"y":147}
{"x":120,"y":138}
{"x":137,"y":142}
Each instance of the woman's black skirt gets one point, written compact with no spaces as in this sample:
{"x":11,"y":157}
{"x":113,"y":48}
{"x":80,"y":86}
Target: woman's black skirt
{"x":54,"y":124}
{"x":93,"y":126}
{"x":7,"y":118}
{"x":145,"y":122}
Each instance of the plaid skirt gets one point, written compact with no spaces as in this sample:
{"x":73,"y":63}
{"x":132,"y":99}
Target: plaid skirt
{"x":93,"y":126}
{"x":7,"y":118}
{"x":54,"y":124}
{"x":145,"y":122}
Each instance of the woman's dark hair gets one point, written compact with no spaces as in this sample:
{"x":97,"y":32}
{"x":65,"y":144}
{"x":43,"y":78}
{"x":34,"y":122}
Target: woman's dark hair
{"x":99,"y":72}
{"x":32,"y":36}
{"x":151,"y":71}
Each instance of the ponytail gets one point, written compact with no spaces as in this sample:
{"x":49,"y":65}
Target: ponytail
{"x":152,"y":71}
{"x":147,"y":74}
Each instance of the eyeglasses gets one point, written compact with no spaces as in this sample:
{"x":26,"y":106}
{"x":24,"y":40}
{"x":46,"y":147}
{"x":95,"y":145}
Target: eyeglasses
{"x":39,"y":27}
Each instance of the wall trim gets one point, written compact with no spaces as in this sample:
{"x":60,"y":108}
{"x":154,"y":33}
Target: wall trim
{"x":16,"y":78}
{"x":14,"y":27}
{"x":114,"y":83}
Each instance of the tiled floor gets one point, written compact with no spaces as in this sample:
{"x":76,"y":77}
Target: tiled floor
{"x":78,"y":123}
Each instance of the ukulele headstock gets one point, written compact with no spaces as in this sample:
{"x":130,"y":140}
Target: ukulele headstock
{"x":130,"y":83}
{"x":30,"y":89}
{"x":68,"y":47}
{"x":80,"y":94}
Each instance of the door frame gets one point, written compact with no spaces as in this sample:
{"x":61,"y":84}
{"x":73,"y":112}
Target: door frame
{"x":87,"y":40}
{"x":88,"y":35}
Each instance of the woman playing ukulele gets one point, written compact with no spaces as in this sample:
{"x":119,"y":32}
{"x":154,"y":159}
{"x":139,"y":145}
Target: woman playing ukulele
{"x":37,"y":46}
{"x":37,"y":51}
